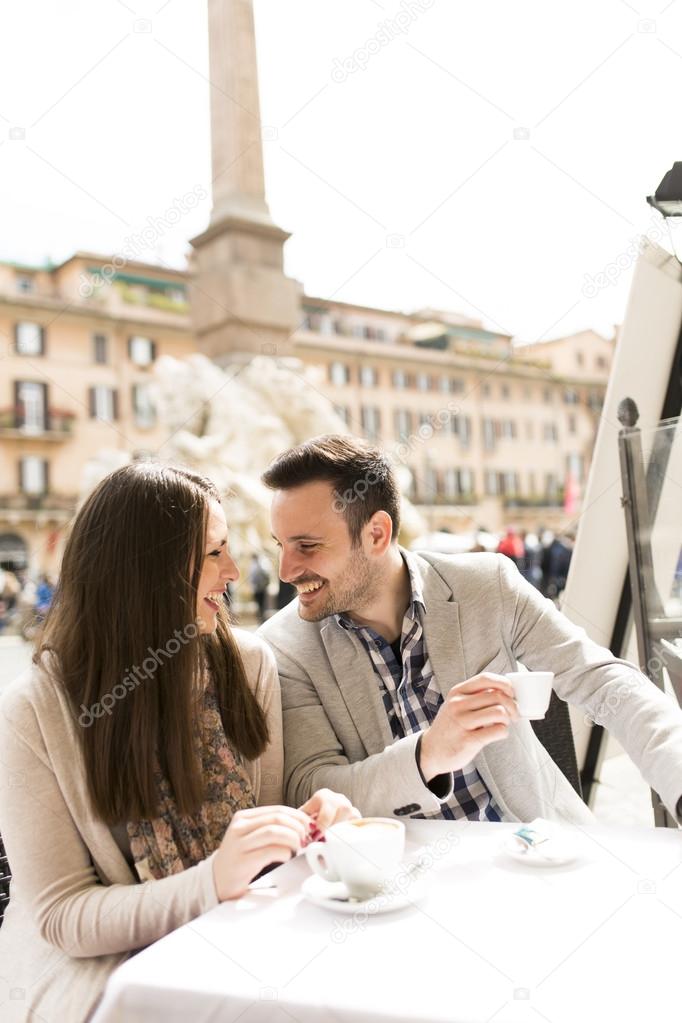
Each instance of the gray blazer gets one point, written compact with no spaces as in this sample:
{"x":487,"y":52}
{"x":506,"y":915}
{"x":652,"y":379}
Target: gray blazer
{"x":481,"y":615}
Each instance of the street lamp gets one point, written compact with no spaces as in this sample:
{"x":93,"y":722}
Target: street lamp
{"x":667,"y":198}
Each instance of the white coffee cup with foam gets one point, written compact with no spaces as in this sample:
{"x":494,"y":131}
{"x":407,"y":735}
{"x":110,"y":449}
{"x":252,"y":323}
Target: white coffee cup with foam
{"x":363,"y":853}
{"x":532,"y":692}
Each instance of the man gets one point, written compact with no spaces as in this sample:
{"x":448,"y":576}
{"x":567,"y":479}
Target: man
{"x":392,"y":663}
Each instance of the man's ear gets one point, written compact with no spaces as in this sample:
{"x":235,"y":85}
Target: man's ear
{"x":380,"y":531}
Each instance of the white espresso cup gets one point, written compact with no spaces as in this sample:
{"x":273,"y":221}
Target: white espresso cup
{"x":532,"y":692}
{"x":363,"y":853}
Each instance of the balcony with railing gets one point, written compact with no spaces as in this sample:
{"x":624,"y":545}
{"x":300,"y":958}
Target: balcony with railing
{"x":59,"y":507}
{"x":46,"y":424}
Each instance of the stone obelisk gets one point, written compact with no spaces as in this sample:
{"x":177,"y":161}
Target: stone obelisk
{"x":242,"y":302}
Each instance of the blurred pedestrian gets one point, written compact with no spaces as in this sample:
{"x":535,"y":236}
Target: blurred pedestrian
{"x":511,"y":544}
{"x":556,"y":560}
{"x":259,"y":580}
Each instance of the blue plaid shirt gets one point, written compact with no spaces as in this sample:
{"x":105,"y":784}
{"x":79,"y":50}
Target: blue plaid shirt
{"x":412,"y":697}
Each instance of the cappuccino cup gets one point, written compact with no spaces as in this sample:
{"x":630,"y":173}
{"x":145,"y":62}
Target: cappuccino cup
{"x":363,"y":853}
{"x":532,"y":692}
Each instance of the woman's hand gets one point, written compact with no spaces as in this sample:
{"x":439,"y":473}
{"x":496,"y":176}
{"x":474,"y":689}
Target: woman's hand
{"x":254,"y":839}
{"x":327,"y":808}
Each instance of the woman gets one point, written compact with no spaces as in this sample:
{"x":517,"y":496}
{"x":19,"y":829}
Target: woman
{"x":145,"y":727}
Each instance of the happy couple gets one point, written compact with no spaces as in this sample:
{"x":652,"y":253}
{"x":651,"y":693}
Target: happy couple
{"x":128,"y":809}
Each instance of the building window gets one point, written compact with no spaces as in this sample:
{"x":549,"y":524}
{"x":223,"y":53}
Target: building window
{"x":504,"y":391}
{"x":601,"y":362}
{"x":551,"y":486}
{"x":399,"y":379}
{"x":99,"y":347}
{"x":508,"y":429}
{"x":531,"y":483}
{"x":490,"y":483}
{"x":368,"y":376}
{"x":423,"y":381}
{"x":550,"y":433}
{"x":485,"y":390}
{"x":33,"y":475}
{"x":339,"y":374}
{"x":343,"y":412}
{"x":431,"y":484}
{"x":143,"y":407}
{"x":31,"y":406}
{"x":572,"y":426}
{"x":570,"y":396}
{"x":454,"y":425}
{"x":575,"y":466}
{"x":464,"y":430}
{"x":488,"y":429}
{"x":547,"y":396}
{"x":141,"y":350}
{"x":370,"y":418}
{"x":580,"y":358}
{"x":29,"y":338}
{"x":402,"y":421}
{"x":508,"y":483}
{"x":24,"y":284}
{"x":103,"y":403}
{"x":530,"y":432}
{"x":450,"y":483}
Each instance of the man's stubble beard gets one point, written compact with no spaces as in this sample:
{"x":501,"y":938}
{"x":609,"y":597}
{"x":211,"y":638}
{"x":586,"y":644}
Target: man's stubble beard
{"x":355,"y":590}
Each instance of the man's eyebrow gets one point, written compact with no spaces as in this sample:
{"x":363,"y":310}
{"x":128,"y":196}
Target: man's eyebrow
{"x":299,"y":536}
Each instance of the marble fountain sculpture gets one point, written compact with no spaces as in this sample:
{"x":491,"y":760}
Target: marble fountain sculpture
{"x":229,"y":423}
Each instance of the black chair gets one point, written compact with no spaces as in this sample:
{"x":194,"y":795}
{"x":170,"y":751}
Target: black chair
{"x":5,"y":877}
{"x":554,"y":732}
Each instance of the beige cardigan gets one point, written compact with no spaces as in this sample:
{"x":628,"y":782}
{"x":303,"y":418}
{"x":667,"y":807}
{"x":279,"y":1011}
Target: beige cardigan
{"x":76,"y":910}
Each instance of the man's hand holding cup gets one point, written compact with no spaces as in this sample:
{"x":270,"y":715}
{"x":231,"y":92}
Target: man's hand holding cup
{"x":473,"y":714}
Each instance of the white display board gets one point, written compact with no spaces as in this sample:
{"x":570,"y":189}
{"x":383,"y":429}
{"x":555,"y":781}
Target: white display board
{"x":641,"y":370}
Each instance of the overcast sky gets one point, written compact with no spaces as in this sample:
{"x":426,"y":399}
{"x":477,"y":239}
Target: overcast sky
{"x":477,"y":156}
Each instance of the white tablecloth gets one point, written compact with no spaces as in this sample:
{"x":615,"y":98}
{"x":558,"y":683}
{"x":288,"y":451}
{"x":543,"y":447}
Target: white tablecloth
{"x":494,"y":940}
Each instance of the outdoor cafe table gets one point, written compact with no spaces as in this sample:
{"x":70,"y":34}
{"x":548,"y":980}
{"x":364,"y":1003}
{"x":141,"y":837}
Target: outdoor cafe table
{"x":492,"y":940}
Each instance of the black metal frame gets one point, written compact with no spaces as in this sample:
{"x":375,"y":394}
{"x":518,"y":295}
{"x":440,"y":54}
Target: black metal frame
{"x":5,"y":878}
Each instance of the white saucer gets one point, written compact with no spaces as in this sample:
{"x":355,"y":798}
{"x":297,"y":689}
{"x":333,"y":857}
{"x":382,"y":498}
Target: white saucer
{"x":561,"y":853}
{"x":333,"y":895}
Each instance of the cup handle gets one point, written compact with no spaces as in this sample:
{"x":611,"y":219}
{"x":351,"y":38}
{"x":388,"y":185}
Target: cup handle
{"x":317,"y":855}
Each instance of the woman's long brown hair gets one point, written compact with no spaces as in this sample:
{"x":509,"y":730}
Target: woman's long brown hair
{"x":121,"y":638}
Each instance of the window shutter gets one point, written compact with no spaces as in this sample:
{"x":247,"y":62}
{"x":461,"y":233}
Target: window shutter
{"x":17,"y":412}
{"x":16,"y":338}
{"x":153,"y":350}
{"x":46,"y":476}
{"x":114,"y":397}
{"x":42,"y":340}
{"x":130,"y":348}
{"x":47,"y":419}
{"x":20,"y":465}
{"x":91,"y":401}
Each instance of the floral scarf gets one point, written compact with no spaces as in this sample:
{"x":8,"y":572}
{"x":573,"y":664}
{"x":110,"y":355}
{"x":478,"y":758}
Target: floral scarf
{"x":171,"y":842}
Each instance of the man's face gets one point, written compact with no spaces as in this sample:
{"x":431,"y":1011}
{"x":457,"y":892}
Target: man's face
{"x":316,"y":553}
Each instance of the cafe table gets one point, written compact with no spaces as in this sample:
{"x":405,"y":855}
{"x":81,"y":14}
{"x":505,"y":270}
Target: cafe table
{"x":491,"y":938}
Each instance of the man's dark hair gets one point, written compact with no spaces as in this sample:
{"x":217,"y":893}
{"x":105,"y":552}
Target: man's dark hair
{"x":361,"y":477}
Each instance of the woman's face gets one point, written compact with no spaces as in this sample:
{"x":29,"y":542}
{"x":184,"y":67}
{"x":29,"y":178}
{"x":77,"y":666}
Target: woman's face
{"x":217,"y":571}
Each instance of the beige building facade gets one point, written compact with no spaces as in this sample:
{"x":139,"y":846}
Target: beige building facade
{"x":491,"y":433}
{"x":78,"y":345}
